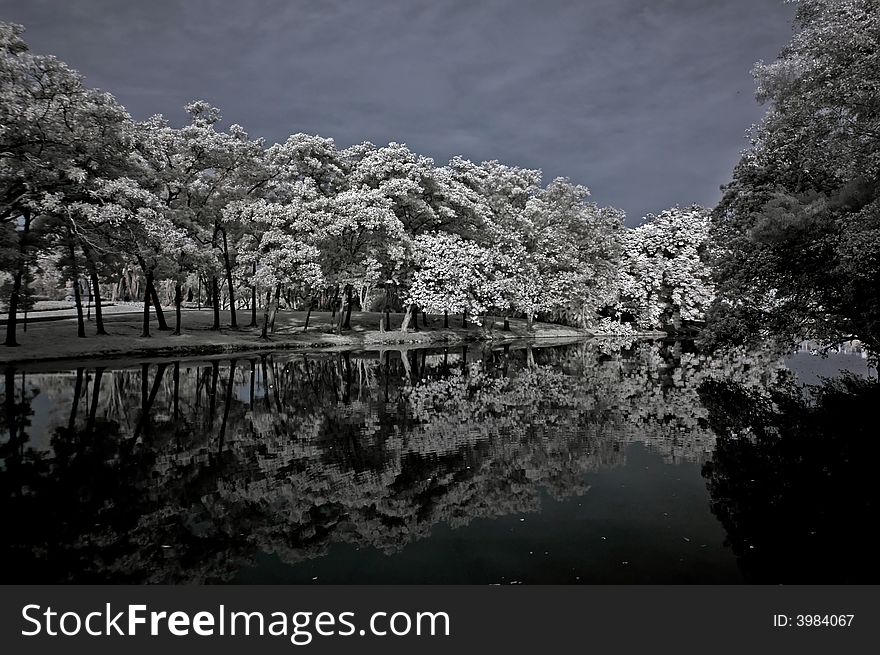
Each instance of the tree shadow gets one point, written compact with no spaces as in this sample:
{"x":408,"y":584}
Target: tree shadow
{"x":792,"y":479}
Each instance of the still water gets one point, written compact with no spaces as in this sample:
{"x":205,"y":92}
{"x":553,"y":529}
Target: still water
{"x":590,"y":462}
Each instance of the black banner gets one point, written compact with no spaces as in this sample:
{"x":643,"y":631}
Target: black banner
{"x":367,"y":619}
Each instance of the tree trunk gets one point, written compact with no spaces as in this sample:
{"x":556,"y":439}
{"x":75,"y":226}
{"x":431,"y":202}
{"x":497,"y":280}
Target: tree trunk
{"x":212,"y":397}
{"x":88,"y":286}
{"x":445,"y":319}
{"x":387,"y":373}
{"x":253,"y":322}
{"x":264,"y":335}
{"x":415,"y":317}
{"x":530,"y":319}
{"x":77,"y":296}
{"x":146,"y":331}
{"x":308,"y":314}
{"x":77,"y":392}
{"x":264,"y":369}
{"x":176,"y":380}
{"x":340,"y":317}
{"x":227,"y":402}
{"x":160,"y":315}
{"x":96,"y":291}
{"x":347,"y":324}
{"x":346,"y":369}
{"x":13,"y":308}
{"x":275,"y":308}
{"x":147,"y":405}
{"x":386,"y":308}
{"x":271,"y":311}
{"x":233,"y":322}
{"x":16,"y":282}
{"x":334,"y":301}
{"x":96,"y":392}
{"x":178,"y":300}
{"x":406,"y":319}
{"x":464,"y":318}
{"x":274,"y":385}
{"x":407,"y":369}
{"x":506,"y":327}
{"x":215,"y":301}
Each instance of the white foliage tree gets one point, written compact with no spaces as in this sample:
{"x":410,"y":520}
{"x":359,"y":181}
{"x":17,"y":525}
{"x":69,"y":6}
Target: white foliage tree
{"x":665,"y":277}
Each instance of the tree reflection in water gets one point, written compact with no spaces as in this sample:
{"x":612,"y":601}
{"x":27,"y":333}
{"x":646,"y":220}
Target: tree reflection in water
{"x":792,"y":479}
{"x":186,"y":471}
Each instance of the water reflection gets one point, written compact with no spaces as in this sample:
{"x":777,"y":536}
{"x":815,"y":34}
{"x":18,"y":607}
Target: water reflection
{"x":792,"y":478}
{"x":187,"y":471}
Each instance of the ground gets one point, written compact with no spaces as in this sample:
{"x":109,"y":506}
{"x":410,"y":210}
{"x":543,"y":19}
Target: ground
{"x":56,"y":339}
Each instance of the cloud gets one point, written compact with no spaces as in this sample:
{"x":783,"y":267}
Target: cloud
{"x":644,"y":101}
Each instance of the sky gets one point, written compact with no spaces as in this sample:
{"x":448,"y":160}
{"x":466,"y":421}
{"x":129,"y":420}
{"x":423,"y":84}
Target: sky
{"x":646,"y":102}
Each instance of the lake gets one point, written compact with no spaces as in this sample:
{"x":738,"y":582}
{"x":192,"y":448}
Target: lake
{"x":587,"y":462}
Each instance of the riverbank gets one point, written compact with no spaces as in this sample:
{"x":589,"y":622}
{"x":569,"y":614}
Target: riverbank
{"x":57,"y":340}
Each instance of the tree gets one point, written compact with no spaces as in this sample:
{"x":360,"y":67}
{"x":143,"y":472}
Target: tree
{"x":157,"y":206}
{"x":452,"y":275}
{"x":797,"y":228}
{"x":665,"y":277}
{"x":197,"y":171}
{"x":131,"y":221}
{"x":283,"y":247}
{"x":573,"y":247}
{"x":57,"y":139}
{"x":362,"y":242}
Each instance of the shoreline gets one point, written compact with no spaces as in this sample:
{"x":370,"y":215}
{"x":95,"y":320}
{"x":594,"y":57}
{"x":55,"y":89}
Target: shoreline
{"x":56,"y":341}
{"x":339,"y":343}
{"x":248,"y":351}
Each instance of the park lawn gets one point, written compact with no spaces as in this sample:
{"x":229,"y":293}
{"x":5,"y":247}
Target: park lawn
{"x":57,"y":340}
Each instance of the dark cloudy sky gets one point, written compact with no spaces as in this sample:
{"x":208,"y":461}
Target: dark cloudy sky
{"x":644,"y":101}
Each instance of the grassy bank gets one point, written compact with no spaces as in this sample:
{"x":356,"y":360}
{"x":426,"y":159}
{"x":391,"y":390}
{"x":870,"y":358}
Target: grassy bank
{"x":57,"y":340}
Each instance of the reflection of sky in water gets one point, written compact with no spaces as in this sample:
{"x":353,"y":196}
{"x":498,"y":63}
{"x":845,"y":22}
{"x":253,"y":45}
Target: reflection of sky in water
{"x":811,"y":368}
{"x":45,"y":414}
{"x":49,"y":407}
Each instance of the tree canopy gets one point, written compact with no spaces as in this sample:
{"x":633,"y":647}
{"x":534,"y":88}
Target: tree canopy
{"x":798,"y":227}
{"x":147,"y":211}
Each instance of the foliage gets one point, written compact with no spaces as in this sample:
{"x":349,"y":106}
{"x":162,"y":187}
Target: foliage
{"x":797,"y":229}
{"x":665,"y":277}
{"x":118,"y":201}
